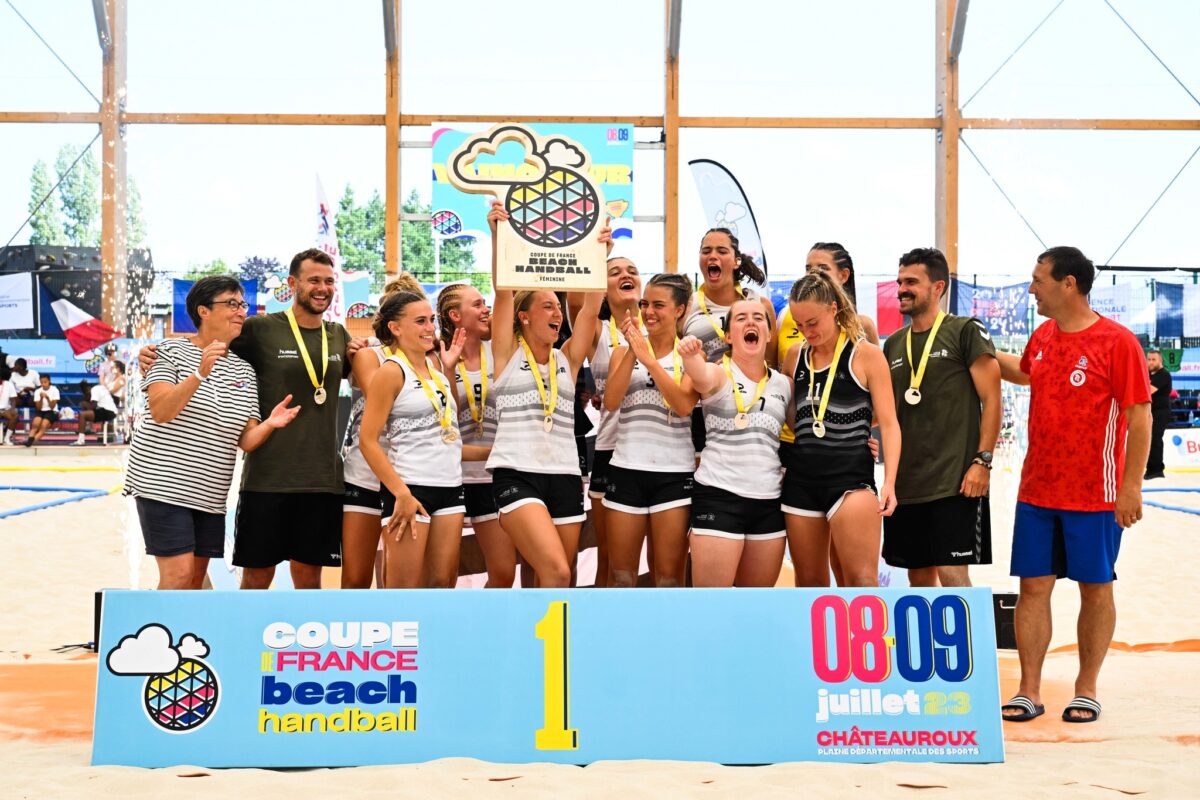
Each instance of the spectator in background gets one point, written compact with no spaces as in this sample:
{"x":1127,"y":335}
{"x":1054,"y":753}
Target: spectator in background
{"x":107,"y":370}
{"x":8,"y":408}
{"x":99,"y":409}
{"x":25,"y":382}
{"x":45,"y":410}
{"x":1160,"y":413}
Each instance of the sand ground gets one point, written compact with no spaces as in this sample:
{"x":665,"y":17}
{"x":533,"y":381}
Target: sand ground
{"x":1146,"y":743}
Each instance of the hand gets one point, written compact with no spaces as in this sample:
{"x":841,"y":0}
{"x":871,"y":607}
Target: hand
{"x":690,"y":346}
{"x":450,"y":355}
{"x":873,"y":446}
{"x":208,"y":358}
{"x":496,"y":215}
{"x":606,"y":234}
{"x":356,"y":344}
{"x":975,"y":482}
{"x":887,"y":500}
{"x":147,"y":356}
{"x":281,"y":415}
{"x":596,"y":401}
{"x":404,"y":516}
{"x":635,"y":340}
{"x":1129,"y":505}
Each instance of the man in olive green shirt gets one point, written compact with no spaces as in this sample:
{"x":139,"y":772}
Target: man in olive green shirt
{"x":946,"y":382}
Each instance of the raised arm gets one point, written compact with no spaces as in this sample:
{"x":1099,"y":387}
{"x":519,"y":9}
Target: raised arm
{"x":167,"y":400}
{"x":504,"y":342}
{"x":583,"y":335}
{"x":256,"y":433}
{"x":706,"y":378}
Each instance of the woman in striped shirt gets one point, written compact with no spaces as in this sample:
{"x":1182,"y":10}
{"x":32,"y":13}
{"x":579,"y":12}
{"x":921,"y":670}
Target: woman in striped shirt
{"x":203,"y":403}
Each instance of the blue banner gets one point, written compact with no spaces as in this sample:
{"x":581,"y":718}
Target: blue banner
{"x":1168,"y":304}
{"x":182,"y":323}
{"x":749,"y":676}
{"x":456,"y":214}
{"x":1004,"y":309}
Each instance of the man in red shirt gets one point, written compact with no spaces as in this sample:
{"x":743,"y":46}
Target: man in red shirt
{"x":1089,"y":436}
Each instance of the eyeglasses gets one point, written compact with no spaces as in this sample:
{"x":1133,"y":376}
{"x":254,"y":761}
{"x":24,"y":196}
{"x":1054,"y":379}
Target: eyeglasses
{"x":234,"y":305}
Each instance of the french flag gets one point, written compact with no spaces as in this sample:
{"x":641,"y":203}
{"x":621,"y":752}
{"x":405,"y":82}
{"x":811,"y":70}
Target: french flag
{"x":83,"y":331}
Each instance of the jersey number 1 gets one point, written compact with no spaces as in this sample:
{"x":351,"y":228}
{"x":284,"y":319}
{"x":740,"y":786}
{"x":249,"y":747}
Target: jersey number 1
{"x":556,"y":733}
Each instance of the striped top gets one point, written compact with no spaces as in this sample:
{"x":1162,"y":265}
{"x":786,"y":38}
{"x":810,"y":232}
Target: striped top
{"x":606,"y":433}
{"x":414,"y":435}
{"x":474,"y":471}
{"x":745,"y":461}
{"x":354,"y":467}
{"x":189,"y":461}
{"x":649,"y":436}
{"x":521,"y":442}
{"x":700,"y":325}
{"x":842,"y":456}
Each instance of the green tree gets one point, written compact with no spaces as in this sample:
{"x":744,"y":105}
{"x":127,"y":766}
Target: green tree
{"x":215,"y":267}
{"x":257,"y":268}
{"x":47,"y":223}
{"x":455,"y":261}
{"x":80,"y":196}
{"x":361,"y":236}
{"x":135,"y":224}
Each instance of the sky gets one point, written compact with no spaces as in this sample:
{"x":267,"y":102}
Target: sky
{"x":234,"y":191}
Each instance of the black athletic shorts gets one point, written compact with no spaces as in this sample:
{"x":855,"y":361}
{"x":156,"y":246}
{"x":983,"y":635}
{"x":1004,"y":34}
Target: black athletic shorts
{"x":562,"y":495}
{"x":599,"y":482}
{"x":273,"y":527}
{"x":171,"y":530}
{"x":808,"y":500}
{"x":941,"y":533}
{"x":438,"y":501}
{"x":104,"y":415}
{"x":362,"y":500}
{"x":49,"y":416}
{"x":637,"y":491}
{"x":716,"y":512}
{"x":480,"y":502}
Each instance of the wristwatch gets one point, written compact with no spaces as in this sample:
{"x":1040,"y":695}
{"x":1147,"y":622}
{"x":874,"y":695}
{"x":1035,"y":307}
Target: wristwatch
{"x":983,"y":458}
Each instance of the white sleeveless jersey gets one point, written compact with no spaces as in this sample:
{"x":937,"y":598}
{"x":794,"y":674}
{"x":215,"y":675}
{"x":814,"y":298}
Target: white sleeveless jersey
{"x":522,"y":442}
{"x":649,"y":436}
{"x":354,"y":467}
{"x":700,"y":325}
{"x":606,"y":433}
{"x":745,"y":462}
{"x":415,"y":445}
{"x":474,"y":471}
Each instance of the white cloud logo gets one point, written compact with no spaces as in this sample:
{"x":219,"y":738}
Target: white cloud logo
{"x":462,"y":162}
{"x":732,"y":212}
{"x":560,"y":154}
{"x":149,"y":652}
{"x":192,"y":647}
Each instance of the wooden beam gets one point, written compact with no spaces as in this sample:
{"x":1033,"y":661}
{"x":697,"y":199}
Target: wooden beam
{"x":809,"y":122}
{"x":1082,"y":124}
{"x":113,"y":253}
{"x":185,"y":118}
{"x":391,"y":236}
{"x":89,"y":117}
{"x":671,"y":157}
{"x":945,"y":210}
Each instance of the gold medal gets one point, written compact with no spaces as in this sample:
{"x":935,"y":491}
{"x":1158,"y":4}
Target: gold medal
{"x":318,"y":384}
{"x":449,"y":435}
{"x":818,"y":412}
{"x":741,"y":421}
{"x":818,"y":428}
{"x":548,"y":424}
{"x":913,"y":395}
{"x":549,"y":401}
{"x":441,"y":410}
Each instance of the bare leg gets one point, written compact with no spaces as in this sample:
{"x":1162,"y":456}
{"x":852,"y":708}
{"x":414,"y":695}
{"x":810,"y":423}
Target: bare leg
{"x":499,"y":554}
{"x":808,"y":539}
{"x":541,"y":544}
{"x":856,"y":530}
{"x":760,"y":563}
{"x":1097,"y":620}
{"x":306,"y":576}
{"x":405,"y":561}
{"x":923,"y":577}
{"x":835,"y":565}
{"x":626,"y":532}
{"x":360,"y":541}
{"x":600,"y":526}
{"x":178,"y":572}
{"x":715,"y":560}
{"x":668,"y":533}
{"x":956,"y":575}
{"x":257,"y":577}
{"x":441,"y":554}
{"x":1034,"y":626}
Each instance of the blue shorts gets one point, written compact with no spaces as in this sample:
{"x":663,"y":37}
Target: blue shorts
{"x":1080,"y":545}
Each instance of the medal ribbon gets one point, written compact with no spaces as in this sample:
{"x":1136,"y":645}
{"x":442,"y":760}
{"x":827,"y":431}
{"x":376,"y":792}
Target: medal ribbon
{"x":547,"y":406}
{"x":918,"y":373}
{"x":308,"y":364}
{"x":676,"y":366}
{"x":711,"y":319}
{"x":737,"y":394}
{"x":819,"y":412}
{"x":442,"y":410}
{"x":614,"y":342}
{"x":469,"y":390}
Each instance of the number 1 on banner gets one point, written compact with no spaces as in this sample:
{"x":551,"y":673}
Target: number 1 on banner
{"x":556,"y":673}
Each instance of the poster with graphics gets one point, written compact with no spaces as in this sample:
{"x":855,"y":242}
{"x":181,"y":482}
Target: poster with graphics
{"x":558,"y":197}
{"x":752,"y":676}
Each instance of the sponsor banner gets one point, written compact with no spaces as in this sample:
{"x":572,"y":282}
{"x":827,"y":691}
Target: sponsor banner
{"x":303,"y":679}
{"x":182,"y":323}
{"x":1004,"y":309}
{"x":1181,"y":447}
{"x":16,"y":302}
{"x":56,"y":357}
